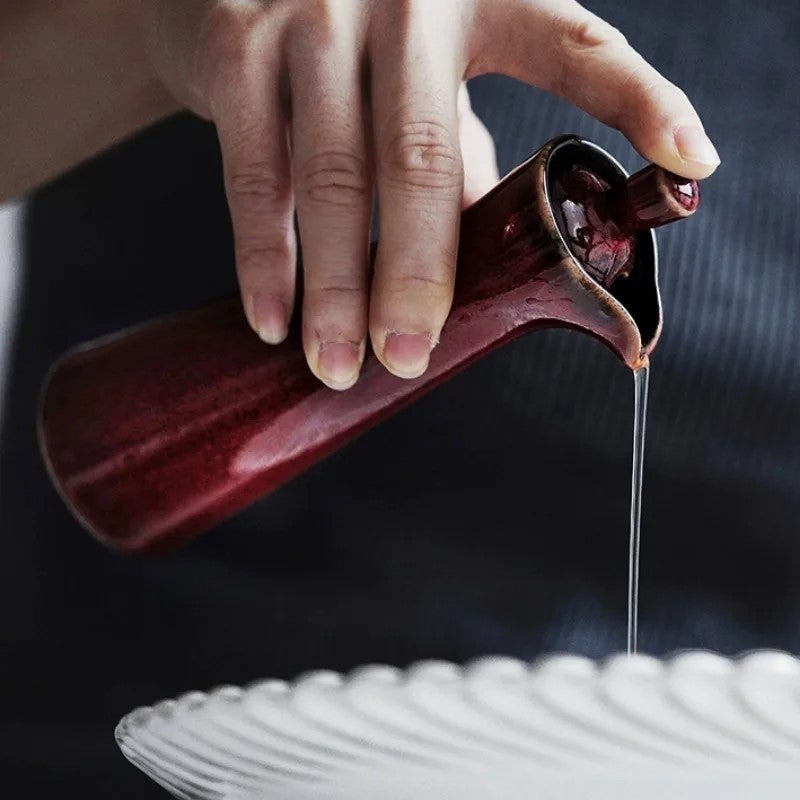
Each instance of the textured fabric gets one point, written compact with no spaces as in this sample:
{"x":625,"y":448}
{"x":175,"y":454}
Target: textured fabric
{"x":489,"y":517}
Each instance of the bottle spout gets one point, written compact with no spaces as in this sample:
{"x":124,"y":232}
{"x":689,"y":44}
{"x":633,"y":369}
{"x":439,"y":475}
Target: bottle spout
{"x":606,"y":218}
{"x":571,"y":224}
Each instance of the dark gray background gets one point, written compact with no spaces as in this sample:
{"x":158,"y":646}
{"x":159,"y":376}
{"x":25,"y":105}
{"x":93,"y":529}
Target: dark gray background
{"x":489,"y":517}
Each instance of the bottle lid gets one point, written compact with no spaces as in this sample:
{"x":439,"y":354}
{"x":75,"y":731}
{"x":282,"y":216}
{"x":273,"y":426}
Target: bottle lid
{"x":599,"y":222}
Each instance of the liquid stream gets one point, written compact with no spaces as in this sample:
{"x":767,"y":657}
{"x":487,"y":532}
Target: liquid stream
{"x":641,"y":378}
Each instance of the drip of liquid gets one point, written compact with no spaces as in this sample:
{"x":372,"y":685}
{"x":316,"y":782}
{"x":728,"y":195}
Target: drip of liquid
{"x":640,"y":380}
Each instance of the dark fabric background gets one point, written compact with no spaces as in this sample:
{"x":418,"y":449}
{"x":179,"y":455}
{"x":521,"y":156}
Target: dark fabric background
{"x":489,"y":517}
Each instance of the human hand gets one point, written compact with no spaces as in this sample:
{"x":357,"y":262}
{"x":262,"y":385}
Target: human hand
{"x":318,"y":101}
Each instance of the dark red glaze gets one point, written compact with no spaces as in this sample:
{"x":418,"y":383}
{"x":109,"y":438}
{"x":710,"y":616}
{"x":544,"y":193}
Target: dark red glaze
{"x":650,"y":198}
{"x":599,"y":222}
{"x":156,"y":434}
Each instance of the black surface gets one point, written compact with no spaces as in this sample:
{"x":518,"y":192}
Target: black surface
{"x":489,"y":517}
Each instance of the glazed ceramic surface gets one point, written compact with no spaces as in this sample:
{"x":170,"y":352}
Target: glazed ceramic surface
{"x":694,"y":727}
{"x":156,"y":434}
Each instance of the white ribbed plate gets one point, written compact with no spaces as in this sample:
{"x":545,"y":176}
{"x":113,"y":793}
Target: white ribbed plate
{"x":695,"y":726}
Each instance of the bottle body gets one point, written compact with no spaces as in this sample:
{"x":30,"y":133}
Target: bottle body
{"x":156,"y":434}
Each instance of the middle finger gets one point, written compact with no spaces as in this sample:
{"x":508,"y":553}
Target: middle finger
{"x":333,"y":192}
{"x":416,"y":72}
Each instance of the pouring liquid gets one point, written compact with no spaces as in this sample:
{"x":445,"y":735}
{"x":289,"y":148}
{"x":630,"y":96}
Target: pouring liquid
{"x":599,"y":222}
{"x":641,"y":379}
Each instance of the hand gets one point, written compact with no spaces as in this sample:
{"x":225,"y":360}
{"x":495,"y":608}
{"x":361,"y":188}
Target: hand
{"x":317,"y":101}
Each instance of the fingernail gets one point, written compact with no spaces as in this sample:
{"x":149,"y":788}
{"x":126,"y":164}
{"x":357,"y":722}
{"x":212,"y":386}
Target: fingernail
{"x":268,"y":316}
{"x":694,"y":145}
{"x":339,"y":364}
{"x":407,"y":354}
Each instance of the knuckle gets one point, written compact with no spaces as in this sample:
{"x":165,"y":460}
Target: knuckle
{"x":221,"y":47}
{"x":430,"y":285}
{"x":577,"y":41}
{"x":337,"y":295}
{"x":336,"y":178}
{"x":230,"y":42}
{"x":256,"y":187}
{"x":424,"y":155}
{"x":317,"y":19}
{"x":588,"y":33}
{"x":257,"y":255}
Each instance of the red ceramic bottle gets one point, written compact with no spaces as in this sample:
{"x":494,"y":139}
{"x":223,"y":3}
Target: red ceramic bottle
{"x":155,"y":434}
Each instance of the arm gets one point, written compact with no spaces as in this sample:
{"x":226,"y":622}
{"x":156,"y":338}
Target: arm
{"x":74,"y":79}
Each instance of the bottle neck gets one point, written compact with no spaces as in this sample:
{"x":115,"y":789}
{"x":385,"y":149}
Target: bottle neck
{"x":651,"y":198}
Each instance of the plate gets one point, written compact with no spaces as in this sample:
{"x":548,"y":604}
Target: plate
{"x":695,"y":725}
